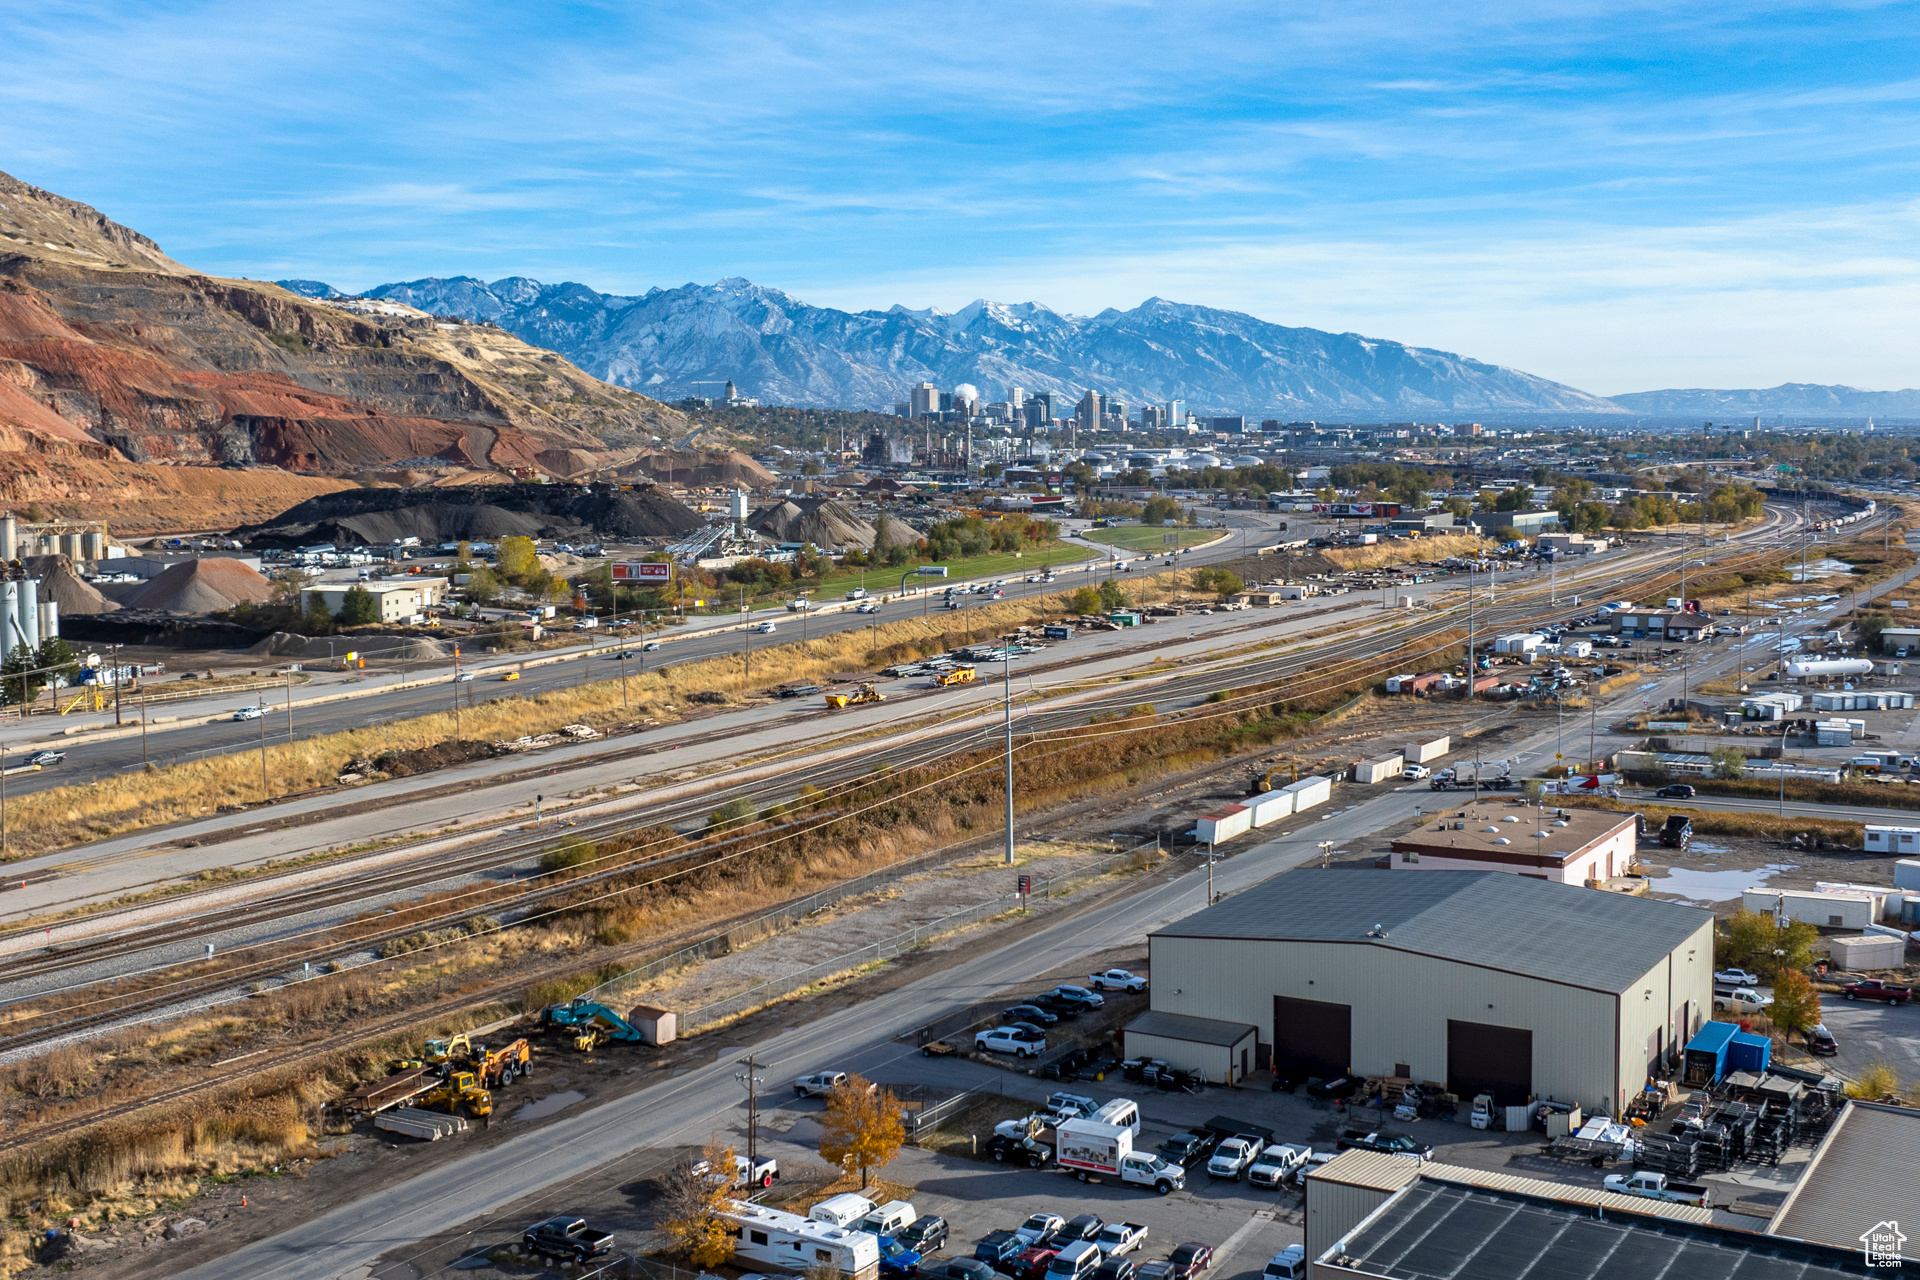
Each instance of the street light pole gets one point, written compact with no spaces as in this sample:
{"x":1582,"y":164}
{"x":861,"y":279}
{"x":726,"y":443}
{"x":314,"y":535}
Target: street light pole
{"x":1007,"y":689}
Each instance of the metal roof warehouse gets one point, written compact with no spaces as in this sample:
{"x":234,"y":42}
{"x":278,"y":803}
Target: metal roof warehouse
{"x":1486,"y":981}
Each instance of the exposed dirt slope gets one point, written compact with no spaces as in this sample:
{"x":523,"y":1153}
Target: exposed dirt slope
{"x":822,"y":521}
{"x":699,"y":467}
{"x":108,"y":347}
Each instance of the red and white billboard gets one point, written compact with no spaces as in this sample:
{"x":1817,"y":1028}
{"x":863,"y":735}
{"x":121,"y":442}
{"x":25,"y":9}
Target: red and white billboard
{"x":642,"y":571}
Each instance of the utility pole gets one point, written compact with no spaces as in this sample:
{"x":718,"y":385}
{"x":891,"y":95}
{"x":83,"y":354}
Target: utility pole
{"x":1210,"y":898}
{"x":3,"y":801}
{"x":1469,"y":635}
{"x":752,"y":1081}
{"x":747,"y":622}
{"x":265,"y":794}
{"x":116,"y":685}
{"x":143,"y":728}
{"x":289,"y":675}
{"x":1007,"y":688}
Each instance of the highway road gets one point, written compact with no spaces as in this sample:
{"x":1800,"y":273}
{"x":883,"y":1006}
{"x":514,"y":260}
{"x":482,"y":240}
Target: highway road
{"x":91,"y":758}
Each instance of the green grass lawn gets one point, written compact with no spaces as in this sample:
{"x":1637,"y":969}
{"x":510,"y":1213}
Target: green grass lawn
{"x":885,"y":581}
{"x":1140,"y":537}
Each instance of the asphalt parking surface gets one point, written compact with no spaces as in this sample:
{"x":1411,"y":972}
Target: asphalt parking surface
{"x":1870,"y":1033}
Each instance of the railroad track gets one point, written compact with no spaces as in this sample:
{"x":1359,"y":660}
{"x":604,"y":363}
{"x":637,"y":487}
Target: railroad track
{"x":504,"y":853}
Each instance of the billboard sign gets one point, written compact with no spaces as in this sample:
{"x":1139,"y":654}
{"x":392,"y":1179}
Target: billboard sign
{"x":642,"y":571}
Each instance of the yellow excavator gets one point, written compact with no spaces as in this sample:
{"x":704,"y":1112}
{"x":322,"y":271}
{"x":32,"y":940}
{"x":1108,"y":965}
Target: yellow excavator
{"x":461,"y":1090}
{"x":863,"y":692}
{"x":1264,"y":781}
{"x":959,"y":675}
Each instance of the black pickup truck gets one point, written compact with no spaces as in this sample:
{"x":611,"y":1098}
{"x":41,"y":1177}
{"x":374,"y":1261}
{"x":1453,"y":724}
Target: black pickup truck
{"x":567,"y":1238}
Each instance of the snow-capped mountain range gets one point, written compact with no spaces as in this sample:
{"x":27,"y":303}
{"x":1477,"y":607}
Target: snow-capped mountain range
{"x":685,"y":341}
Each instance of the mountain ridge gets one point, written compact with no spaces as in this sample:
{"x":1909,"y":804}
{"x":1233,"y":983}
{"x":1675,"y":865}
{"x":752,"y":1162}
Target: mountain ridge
{"x":1791,"y":399}
{"x":670,"y":342}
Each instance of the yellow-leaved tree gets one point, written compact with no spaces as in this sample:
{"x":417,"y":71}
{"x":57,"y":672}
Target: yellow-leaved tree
{"x":861,"y":1128}
{"x":695,"y":1194}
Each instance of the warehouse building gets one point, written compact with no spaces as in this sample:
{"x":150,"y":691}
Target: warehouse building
{"x":1572,"y":846}
{"x":1858,"y":1184}
{"x":1488,"y":982}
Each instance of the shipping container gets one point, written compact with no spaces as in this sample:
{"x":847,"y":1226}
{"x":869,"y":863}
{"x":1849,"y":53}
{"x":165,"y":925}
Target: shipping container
{"x":1309,"y":792}
{"x":1385,"y":768}
{"x":1705,"y":1059}
{"x":1422,"y":752}
{"x":1749,"y":1052}
{"x":1223,"y":824}
{"x":1270,"y":806}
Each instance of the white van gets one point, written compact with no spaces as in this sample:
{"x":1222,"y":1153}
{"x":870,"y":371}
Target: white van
{"x":890,"y":1218}
{"x":1075,"y":1262}
{"x":842,"y":1210}
{"x":1121,"y":1113}
{"x":1289,"y":1264}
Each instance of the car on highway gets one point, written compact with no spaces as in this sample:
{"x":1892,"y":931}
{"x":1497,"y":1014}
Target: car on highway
{"x":1736,"y":977}
{"x":649,"y":646}
{"x":567,"y":1238}
{"x":45,"y":758}
{"x":1005,"y":1040}
{"x":510,"y":675}
{"x":1675,"y":791}
{"x":766,"y":628}
{"x":249,"y":713}
{"x":465,"y":677}
{"x":1121,"y":978}
{"x":867,"y":606}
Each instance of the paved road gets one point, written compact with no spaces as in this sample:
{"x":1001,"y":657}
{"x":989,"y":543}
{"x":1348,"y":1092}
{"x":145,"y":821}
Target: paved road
{"x":90,"y":759}
{"x":1871,"y":1033}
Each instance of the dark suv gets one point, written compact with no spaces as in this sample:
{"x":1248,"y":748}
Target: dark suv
{"x":1675,"y":791}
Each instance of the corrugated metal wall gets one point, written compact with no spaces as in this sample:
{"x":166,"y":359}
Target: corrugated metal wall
{"x":1401,"y":1004}
{"x":1211,"y":1060}
{"x":1658,"y":1003}
{"x":1333,"y":1210}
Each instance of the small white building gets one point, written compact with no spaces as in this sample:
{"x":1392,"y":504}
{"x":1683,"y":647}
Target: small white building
{"x":1826,"y":909}
{"x":1518,"y":642}
{"x":1896,"y":840}
{"x":1422,"y":752}
{"x":1862,"y":953}
{"x":398,"y":601}
{"x":1568,"y":846}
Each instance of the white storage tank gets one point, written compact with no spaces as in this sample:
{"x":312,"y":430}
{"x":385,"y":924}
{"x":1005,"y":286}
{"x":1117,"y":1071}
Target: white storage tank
{"x":1802,"y":667}
{"x":49,"y":619}
{"x":1223,"y":824}
{"x":1422,"y":752}
{"x":1309,"y":792}
{"x":10,"y":625}
{"x":29,"y":605}
{"x":1270,"y":806}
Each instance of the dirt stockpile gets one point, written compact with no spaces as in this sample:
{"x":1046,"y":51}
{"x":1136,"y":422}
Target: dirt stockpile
{"x":699,"y":468}
{"x":474,"y":513}
{"x":373,"y":647}
{"x":822,"y":521}
{"x":401,"y":764}
{"x":202,"y":586}
{"x":73,"y":593}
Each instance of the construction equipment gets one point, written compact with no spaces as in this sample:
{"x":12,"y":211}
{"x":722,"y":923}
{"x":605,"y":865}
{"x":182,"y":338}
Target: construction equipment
{"x":862,"y":692}
{"x":498,"y":1068}
{"x":591,"y":1024}
{"x":459,"y":1091}
{"x":959,"y":675}
{"x":1264,"y":781}
{"x":439,"y":1052}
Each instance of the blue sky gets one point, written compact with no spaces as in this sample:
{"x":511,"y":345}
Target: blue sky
{"x":1620,"y":196}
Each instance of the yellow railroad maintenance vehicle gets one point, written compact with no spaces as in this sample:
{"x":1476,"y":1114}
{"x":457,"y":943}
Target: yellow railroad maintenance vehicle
{"x":863,"y":692}
{"x":959,"y":675}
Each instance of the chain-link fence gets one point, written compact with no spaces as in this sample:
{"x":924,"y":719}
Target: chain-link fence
{"x":899,"y":944}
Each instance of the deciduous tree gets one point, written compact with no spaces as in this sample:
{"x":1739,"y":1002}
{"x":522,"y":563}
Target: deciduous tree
{"x":691,"y":1203}
{"x":861,"y":1129}
{"x":1796,"y":1005}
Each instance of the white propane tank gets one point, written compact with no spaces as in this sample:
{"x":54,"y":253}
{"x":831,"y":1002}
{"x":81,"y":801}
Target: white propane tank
{"x":1801,"y":667}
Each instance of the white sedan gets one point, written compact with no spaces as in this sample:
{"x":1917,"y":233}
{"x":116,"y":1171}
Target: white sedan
{"x":250,"y":713}
{"x":1119,"y":979}
{"x":1736,"y":978}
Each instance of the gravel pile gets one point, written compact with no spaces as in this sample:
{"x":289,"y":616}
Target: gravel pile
{"x":202,"y":586}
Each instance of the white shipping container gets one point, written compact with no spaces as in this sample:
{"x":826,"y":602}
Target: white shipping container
{"x":1270,"y":807}
{"x":1223,"y":824}
{"x":1309,"y":792}
{"x":1823,"y":910}
{"x":1906,"y":874}
{"x":1379,"y":769}
{"x":1882,"y":839}
{"x":1868,"y":952}
{"x":1422,"y":752}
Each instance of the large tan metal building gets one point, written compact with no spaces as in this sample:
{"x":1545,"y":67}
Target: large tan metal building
{"x":1489,"y":982}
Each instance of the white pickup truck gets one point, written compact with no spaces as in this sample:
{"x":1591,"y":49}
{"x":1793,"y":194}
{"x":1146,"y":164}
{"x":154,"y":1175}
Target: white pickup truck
{"x":1655,"y":1186}
{"x":1231,"y":1158}
{"x":1740,"y":1000}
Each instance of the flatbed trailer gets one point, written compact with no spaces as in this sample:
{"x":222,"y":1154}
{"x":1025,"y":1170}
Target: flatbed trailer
{"x":396,"y":1090}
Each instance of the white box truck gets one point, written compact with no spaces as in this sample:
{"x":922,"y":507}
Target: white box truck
{"x":1096,"y":1151}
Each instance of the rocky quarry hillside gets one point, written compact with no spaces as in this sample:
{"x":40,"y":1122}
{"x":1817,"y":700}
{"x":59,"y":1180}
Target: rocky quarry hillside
{"x":139,"y":390}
